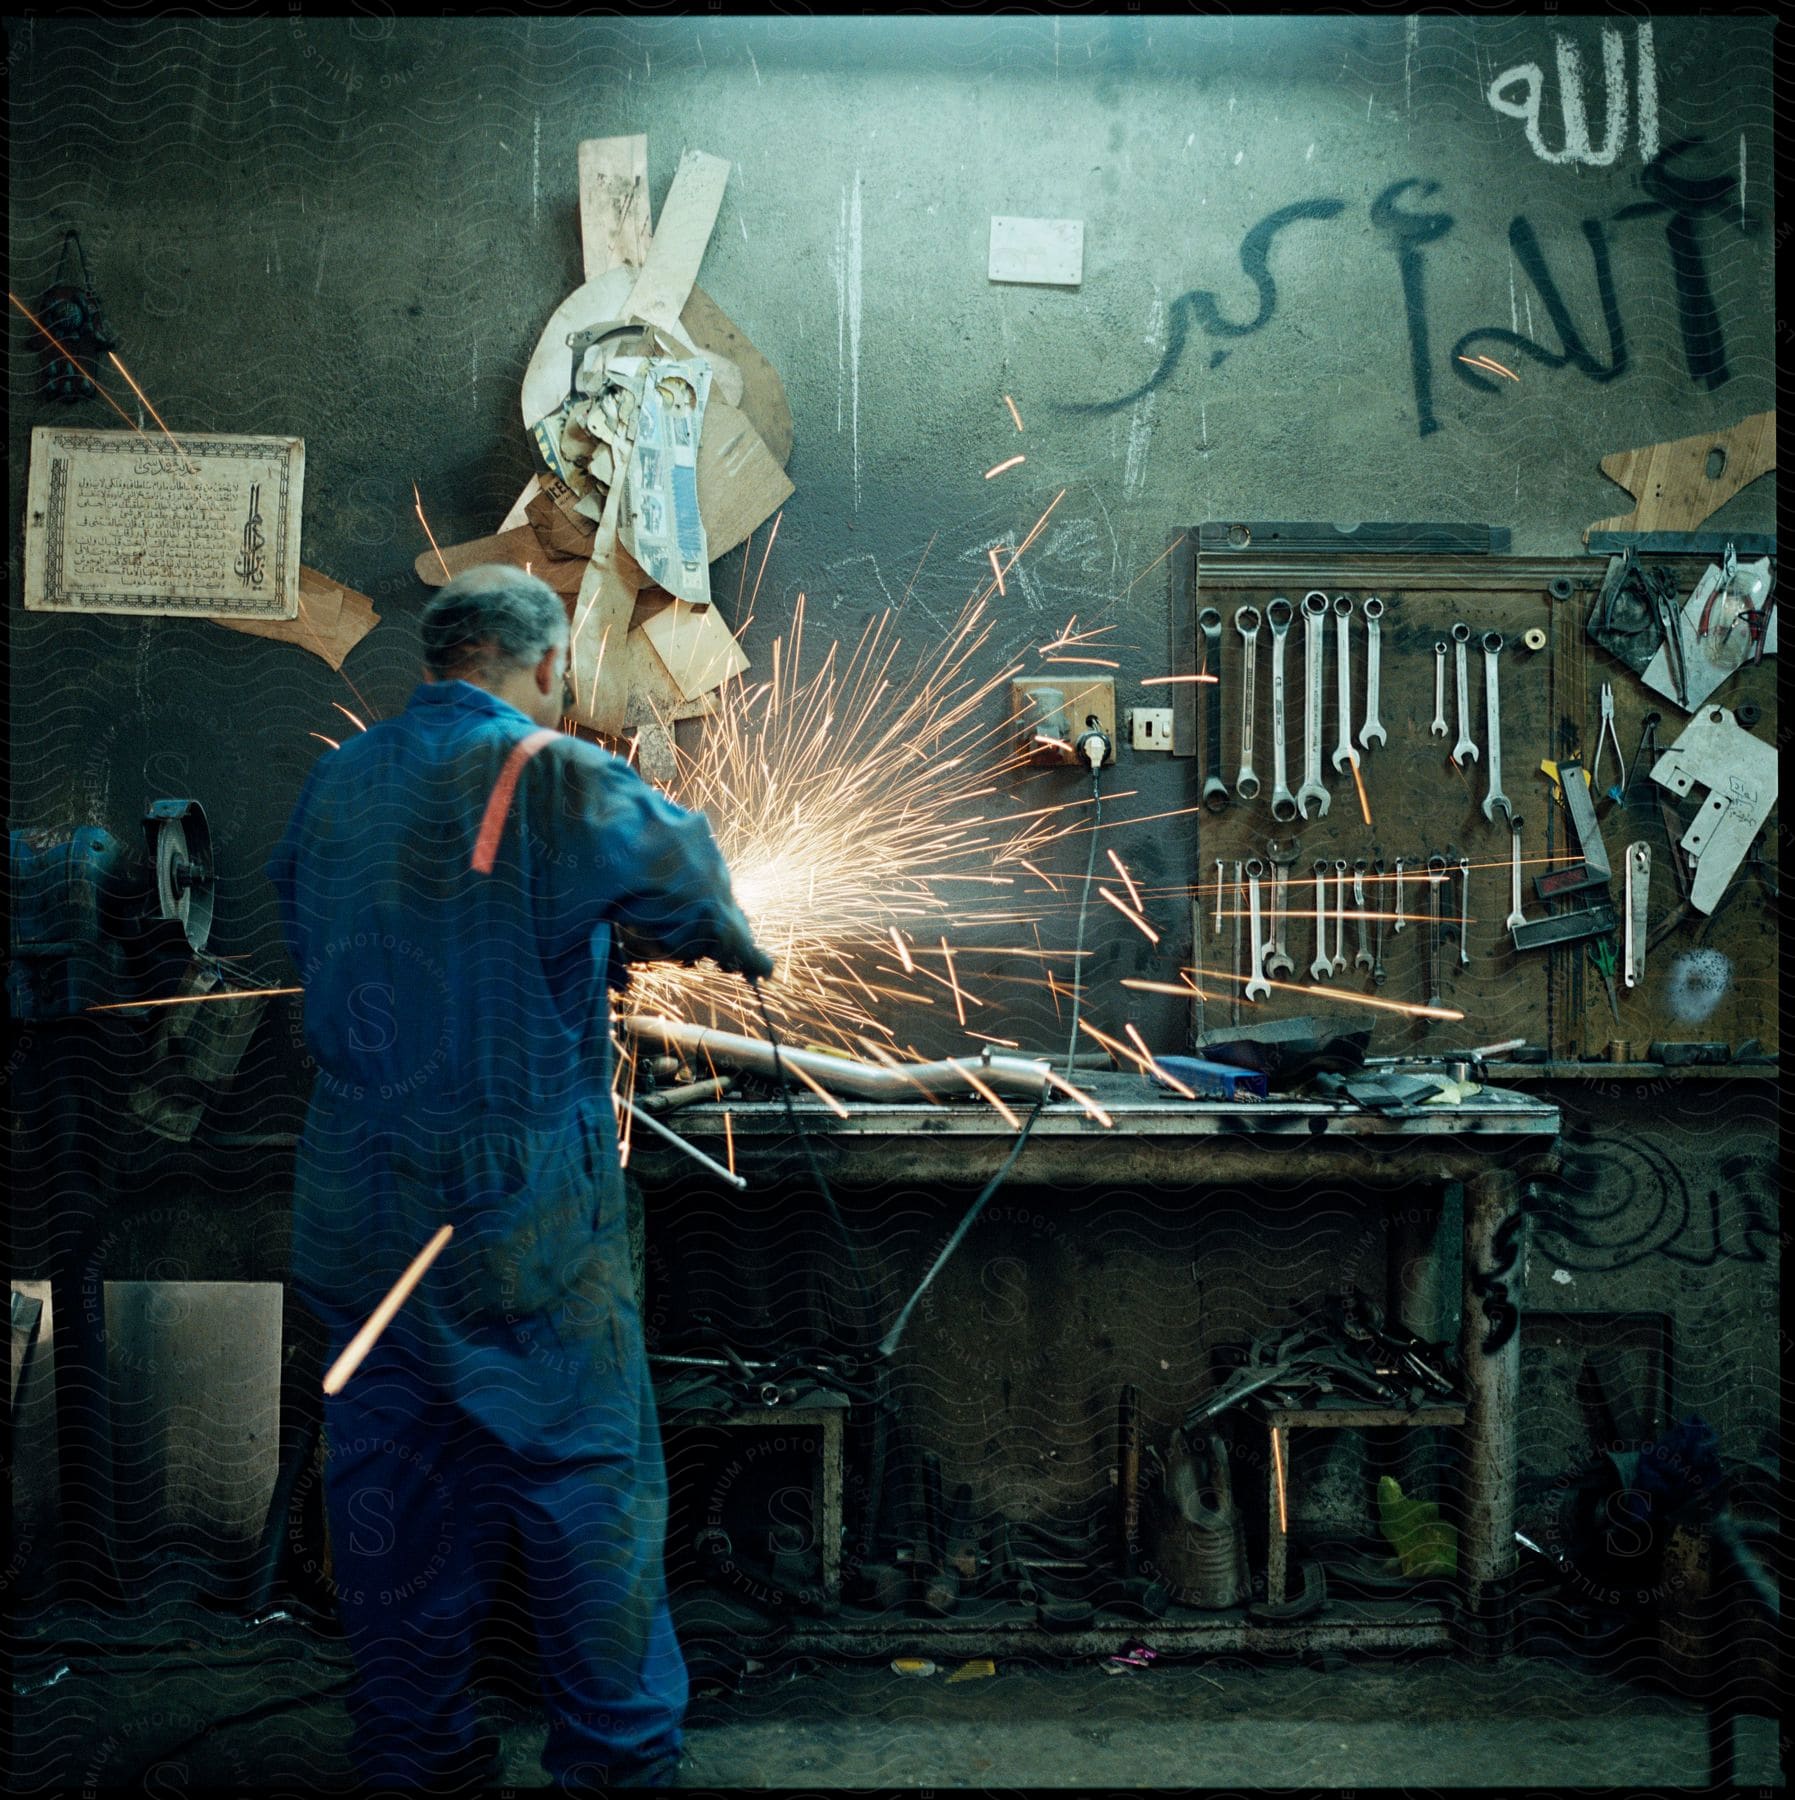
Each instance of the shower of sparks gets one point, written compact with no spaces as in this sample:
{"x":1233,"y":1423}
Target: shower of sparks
{"x":417,"y":500}
{"x":999,"y":468}
{"x":1014,"y":414}
{"x":850,"y":800}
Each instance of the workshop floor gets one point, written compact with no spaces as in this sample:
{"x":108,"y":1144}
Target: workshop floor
{"x":267,"y":1716}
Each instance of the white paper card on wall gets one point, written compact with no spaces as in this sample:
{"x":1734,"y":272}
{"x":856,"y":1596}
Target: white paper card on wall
{"x":1049,"y":252}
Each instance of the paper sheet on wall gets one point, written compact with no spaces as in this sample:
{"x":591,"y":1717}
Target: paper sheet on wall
{"x":119,"y":522}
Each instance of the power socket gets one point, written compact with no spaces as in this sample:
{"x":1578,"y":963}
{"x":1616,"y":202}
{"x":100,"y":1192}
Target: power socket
{"x":1150,"y":727}
{"x":1083,"y":705}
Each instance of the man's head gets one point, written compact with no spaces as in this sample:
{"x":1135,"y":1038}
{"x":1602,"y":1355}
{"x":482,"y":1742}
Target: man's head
{"x":504,"y":631}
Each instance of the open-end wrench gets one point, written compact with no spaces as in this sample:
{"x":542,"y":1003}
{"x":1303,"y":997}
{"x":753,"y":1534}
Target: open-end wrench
{"x":1280,"y":962}
{"x":1219,"y":865}
{"x":1215,"y":789}
{"x":1322,"y":968}
{"x":1344,"y":752}
{"x":1492,"y":649}
{"x":1234,"y":996}
{"x":1373,"y":727}
{"x":1439,"y":726}
{"x":1278,"y":615}
{"x":1464,"y":751}
{"x":1514,"y":874}
{"x":1377,"y":961}
{"x":1315,"y":607}
{"x":1398,"y":925}
{"x":1258,"y":988}
{"x":1636,"y":885}
{"x":1340,"y":915}
{"x":1464,"y":911}
{"x":1246,"y":622}
{"x":1362,"y":956}
{"x":1436,"y":877}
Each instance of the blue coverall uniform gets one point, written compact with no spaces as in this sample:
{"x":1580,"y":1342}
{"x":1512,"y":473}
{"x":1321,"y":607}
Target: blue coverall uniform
{"x":455,"y":1007}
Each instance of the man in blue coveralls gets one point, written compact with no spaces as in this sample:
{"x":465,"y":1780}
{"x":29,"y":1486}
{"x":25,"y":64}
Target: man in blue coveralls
{"x":455,"y":886}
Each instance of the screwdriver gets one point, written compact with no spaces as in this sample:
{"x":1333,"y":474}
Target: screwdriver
{"x":1602,"y":954}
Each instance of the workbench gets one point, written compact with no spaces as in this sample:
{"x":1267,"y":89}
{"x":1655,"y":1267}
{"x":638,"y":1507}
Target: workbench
{"x":1490,"y":1142}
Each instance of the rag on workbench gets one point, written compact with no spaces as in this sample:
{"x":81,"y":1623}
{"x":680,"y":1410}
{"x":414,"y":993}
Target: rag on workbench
{"x":452,"y":887}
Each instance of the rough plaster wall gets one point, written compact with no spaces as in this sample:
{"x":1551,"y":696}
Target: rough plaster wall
{"x":353,"y":229}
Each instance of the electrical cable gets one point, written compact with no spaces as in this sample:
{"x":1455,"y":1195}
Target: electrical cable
{"x":1084,"y":906}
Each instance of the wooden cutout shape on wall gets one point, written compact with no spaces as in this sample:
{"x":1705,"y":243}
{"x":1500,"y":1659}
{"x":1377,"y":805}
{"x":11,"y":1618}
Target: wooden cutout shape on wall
{"x":1671,"y":482}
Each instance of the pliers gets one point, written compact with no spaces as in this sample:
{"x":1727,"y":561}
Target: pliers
{"x":1604,"y":738}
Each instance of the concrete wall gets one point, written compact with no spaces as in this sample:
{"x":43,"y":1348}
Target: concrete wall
{"x":353,"y":229}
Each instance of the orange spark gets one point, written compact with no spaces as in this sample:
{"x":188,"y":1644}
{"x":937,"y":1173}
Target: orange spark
{"x":1002,"y":1043}
{"x":1134,"y":893}
{"x":1056,"y":1080}
{"x":903,"y":954}
{"x":1162,"y":680}
{"x":418,"y":502}
{"x":987,"y":1092}
{"x":728,"y":1144}
{"x":1154,"y":564}
{"x":112,"y":357}
{"x":193,"y":999}
{"x":1187,"y":991}
{"x":1034,"y":871}
{"x":1359,"y":782}
{"x":954,"y":982}
{"x":1277,"y":1453}
{"x":1010,"y":464}
{"x":1099,"y":662}
{"x":996,"y":571}
{"x":1164,"y":1075}
{"x":1129,"y":914}
{"x":1014,"y":414}
{"x":827,"y":1098}
{"x":1489,"y":362}
{"x":332,"y":742}
{"x":347,"y":714}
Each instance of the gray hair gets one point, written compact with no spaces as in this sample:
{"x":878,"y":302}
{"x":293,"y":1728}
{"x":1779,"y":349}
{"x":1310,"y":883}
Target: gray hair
{"x":491,"y":619}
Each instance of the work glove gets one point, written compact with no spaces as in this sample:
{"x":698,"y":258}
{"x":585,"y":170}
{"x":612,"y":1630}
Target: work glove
{"x":751,"y":961}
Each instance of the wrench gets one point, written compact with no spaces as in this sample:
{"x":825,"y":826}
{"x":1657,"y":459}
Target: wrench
{"x":1246,"y":783}
{"x":1322,"y":968}
{"x":1514,"y":875}
{"x":1464,"y":911}
{"x":1372,"y":728}
{"x":1362,"y":957}
{"x":1258,"y":988}
{"x":1218,"y":896}
{"x":1278,"y":615}
{"x":1637,"y":888}
{"x":1234,"y":997}
{"x":1398,"y":925}
{"x":1464,"y":750}
{"x":1279,"y":962}
{"x":1436,"y":875}
{"x":1215,"y":790}
{"x":1343,"y":750}
{"x":1439,"y":727}
{"x":1340,"y":915}
{"x":1492,"y":649}
{"x":1377,"y":962}
{"x":1315,"y":607}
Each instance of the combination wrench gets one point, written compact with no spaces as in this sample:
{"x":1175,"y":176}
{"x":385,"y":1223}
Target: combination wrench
{"x":1377,"y":962}
{"x":1234,"y":995}
{"x":1278,"y":615}
{"x":1373,"y":727}
{"x":1322,"y":968}
{"x":1464,"y":911}
{"x":1514,"y":874}
{"x":1492,"y":649}
{"x":1340,"y":915}
{"x":1398,"y":925}
{"x":1464,"y":750}
{"x":1439,"y":727}
{"x":1315,"y":607}
{"x":1258,"y":988}
{"x":1362,"y":956}
{"x":1246,"y":783}
{"x":1280,"y":962}
{"x":1436,"y":878}
{"x":1344,"y":752}
{"x":1219,"y":865}
{"x":1215,"y":789}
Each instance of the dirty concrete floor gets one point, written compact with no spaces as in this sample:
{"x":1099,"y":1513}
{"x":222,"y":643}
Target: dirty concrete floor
{"x":268,"y":1716}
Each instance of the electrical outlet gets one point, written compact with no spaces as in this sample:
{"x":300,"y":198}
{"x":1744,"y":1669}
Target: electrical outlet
{"x":1150,"y":727}
{"x":1063,"y":709}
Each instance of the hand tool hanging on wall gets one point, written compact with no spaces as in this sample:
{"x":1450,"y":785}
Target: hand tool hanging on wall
{"x":1235,"y":985}
{"x":1344,"y":752}
{"x":1464,"y":751}
{"x":1377,"y":961}
{"x":1514,"y":878}
{"x":1398,"y":924}
{"x":1464,"y":912}
{"x":1215,"y":789}
{"x":1601,"y":954}
{"x":1362,"y":956}
{"x":1436,"y":877}
{"x":1257,"y":988}
{"x":1322,"y":968}
{"x":1280,"y":962}
{"x":1312,"y":792}
{"x":1604,"y":737}
{"x":1439,"y":727}
{"x":1596,"y":919}
{"x":1492,"y":650}
{"x":1339,"y":915}
{"x":1372,"y":730}
{"x":1246,"y":622}
{"x":1635,"y":890}
{"x":1277,"y":618}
